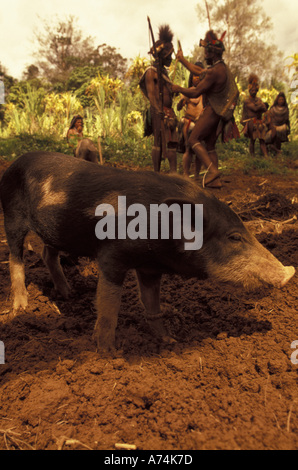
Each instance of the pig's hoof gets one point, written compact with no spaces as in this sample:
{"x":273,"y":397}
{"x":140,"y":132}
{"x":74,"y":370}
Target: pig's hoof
{"x":20,"y":302}
{"x":105,"y":346}
{"x":106,"y":353}
{"x":158,"y":330}
{"x":289,"y":273}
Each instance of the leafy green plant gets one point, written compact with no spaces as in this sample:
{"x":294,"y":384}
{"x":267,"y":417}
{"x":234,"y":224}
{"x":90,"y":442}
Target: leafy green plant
{"x":12,"y":147}
{"x":37,"y":119}
{"x":293,"y":96}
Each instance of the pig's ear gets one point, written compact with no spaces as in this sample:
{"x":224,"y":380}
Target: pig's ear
{"x":175,"y":200}
{"x":180,"y":201}
{"x":172,"y":200}
{"x":189,"y":236}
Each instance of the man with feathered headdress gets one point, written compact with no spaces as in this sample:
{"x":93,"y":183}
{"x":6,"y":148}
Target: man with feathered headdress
{"x":163,"y":118}
{"x":253,"y":109}
{"x":221,"y":94}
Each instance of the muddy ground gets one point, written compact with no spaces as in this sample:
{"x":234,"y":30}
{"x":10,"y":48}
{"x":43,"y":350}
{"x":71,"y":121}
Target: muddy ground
{"x":227,"y":383}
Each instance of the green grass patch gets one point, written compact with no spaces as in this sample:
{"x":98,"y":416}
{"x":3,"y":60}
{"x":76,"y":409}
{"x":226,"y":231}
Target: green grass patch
{"x":130,"y":151}
{"x":13,"y":147}
{"x":133,"y":152}
{"x":235,"y":155}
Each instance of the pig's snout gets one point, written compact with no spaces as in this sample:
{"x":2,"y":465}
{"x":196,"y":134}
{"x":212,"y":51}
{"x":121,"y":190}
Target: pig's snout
{"x":252,"y":268}
{"x":289,"y":272}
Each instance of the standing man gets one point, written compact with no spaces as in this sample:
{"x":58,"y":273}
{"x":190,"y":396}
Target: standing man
{"x":156,"y":86}
{"x":221,"y":95}
{"x":253,"y":109}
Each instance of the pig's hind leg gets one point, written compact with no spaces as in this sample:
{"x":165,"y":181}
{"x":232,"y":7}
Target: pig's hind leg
{"x":50,"y":257}
{"x":16,"y":232}
{"x":149,"y":285}
{"x":108,"y":300}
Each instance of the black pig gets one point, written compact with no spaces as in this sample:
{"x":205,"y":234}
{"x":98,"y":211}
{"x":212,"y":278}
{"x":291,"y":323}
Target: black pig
{"x":56,"y":196}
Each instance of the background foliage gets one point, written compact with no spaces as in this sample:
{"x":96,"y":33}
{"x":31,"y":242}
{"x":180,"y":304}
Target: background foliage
{"x":74,"y":76}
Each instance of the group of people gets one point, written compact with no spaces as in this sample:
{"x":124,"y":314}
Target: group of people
{"x":270,"y":126}
{"x":209,"y":101}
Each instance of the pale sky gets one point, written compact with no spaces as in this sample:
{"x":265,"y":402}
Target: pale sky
{"x":123,"y":25}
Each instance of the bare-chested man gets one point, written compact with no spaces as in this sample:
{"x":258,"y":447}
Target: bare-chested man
{"x":253,"y":109}
{"x":221,"y":94}
{"x":150,"y":86}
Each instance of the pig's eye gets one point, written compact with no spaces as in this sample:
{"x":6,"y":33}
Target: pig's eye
{"x":235,"y":237}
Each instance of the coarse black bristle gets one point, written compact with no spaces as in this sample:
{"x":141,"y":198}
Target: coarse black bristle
{"x":165,"y":33}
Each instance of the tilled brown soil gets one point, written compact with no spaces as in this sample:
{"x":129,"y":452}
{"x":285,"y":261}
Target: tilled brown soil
{"x":227,"y":383}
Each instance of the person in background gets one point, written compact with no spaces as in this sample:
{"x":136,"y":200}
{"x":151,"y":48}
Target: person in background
{"x":279,"y":123}
{"x":157,"y":89}
{"x":253,"y":109}
{"x":75,"y":132}
{"x":193,"y":110}
{"x":221,"y":94}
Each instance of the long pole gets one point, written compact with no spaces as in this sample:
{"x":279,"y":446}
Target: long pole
{"x":208,"y":14}
{"x":160,"y":85}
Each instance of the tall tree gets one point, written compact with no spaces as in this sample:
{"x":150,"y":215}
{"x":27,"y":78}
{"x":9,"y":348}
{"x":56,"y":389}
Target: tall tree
{"x":61,"y":47}
{"x":246,"y":41}
{"x":31,"y":72}
{"x":111,"y":62}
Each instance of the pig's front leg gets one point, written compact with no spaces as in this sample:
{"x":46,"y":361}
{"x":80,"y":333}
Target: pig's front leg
{"x":108,"y":300}
{"x":17,"y":274}
{"x":149,"y":285}
{"x":50,"y":257}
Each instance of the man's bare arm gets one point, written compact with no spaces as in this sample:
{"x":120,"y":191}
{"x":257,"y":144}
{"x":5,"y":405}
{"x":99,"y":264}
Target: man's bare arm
{"x":152,"y":89}
{"x":195,"y":69}
{"x":194,"y":92}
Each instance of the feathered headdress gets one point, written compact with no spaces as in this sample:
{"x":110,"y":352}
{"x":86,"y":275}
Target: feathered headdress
{"x":211,"y":41}
{"x":164,"y":44}
{"x":253,"y":82}
{"x":165,"y":33}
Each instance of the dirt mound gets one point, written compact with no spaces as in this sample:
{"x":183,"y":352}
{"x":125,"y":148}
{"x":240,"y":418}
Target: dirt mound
{"x":272,"y":205}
